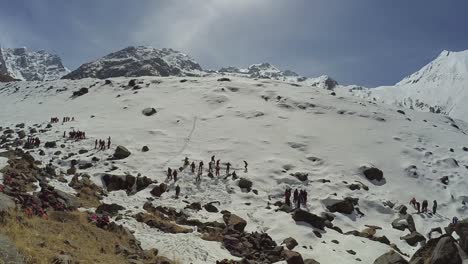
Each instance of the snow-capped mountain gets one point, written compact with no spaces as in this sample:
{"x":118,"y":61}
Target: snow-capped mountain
{"x":441,"y":87}
{"x":269,"y":71}
{"x":139,"y":61}
{"x":26,"y":65}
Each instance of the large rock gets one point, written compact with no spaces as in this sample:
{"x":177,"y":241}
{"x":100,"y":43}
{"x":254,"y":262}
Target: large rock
{"x":373,"y":174}
{"x":159,"y":190}
{"x":309,"y":218}
{"x":233,"y":221}
{"x":111,"y":209}
{"x":149,"y":111}
{"x":121,"y":152}
{"x":302,"y":176}
{"x":345,"y":206}
{"x":118,"y":182}
{"x":245,"y":183}
{"x":290,"y":243}
{"x":461,"y":228}
{"x":391,"y":257}
{"x":292,"y":257}
{"x":413,"y":238}
{"x":404,"y":222}
{"x":50,"y":144}
{"x":441,"y":250}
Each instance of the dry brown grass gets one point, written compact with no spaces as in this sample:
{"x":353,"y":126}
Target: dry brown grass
{"x":40,"y":239}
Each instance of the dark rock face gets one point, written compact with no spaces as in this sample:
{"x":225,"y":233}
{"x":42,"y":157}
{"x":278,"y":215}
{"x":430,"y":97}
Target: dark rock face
{"x":391,"y":257}
{"x":118,"y":182}
{"x":312,"y":219}
{"x":404,"y":222}
{"x":373,"y":174}
{"x":138,"y":61}
{"x":461,"y":228}
{"x":149,"y":111}
{"x":121,"y":152}
{"x":441,"y":250}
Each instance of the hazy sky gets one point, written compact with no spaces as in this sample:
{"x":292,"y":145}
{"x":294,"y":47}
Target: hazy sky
{"x":367,"y":42}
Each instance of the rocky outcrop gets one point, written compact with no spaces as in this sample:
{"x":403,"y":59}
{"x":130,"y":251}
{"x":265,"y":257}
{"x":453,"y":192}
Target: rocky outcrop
{"x":441,"y":250}
{"x":111,"y":209}
{"x":461,"y":228}
{"x":345,"y":206}
{"x":234,"y":222}
{"x":373,"y":174}
{"x":138,"y":61}
{"x":413,"y":238}
{"x":149,"y":111}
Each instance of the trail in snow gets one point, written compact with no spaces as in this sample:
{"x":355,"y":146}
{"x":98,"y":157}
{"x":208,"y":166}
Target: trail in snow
{"x":187,"y":141}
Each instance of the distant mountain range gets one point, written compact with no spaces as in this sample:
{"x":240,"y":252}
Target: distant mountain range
{"x":26,"y":65}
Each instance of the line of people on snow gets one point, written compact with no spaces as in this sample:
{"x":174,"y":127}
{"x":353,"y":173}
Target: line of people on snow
{"x":299,"y":197}
{"x":213,"y":166}
{"x":423,"y":209}
{"x":77,"y":135}
{"x":33,"y":141}
{"x":54,"y":120}
{"x":101,"y":144}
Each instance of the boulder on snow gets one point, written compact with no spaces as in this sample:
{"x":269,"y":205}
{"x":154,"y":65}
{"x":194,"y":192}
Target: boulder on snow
{"x":224,"y":79}
{"x":149,"y":111}
{"x":309,"y":218}
{"x":121,"y":152}
{"x":391,"y":257}
{"x":50,"y":144}
{"x":118,"y":182}
{"x":302,"y":176}
{"x":159,"y":190}
{"x":413,"y":238}
{"x":245,"y":183}
{"x":404,"y":222}
{"x":234,"y":222}
{"x":290,"y":243}
{"x":145,"y":149}
{"x":373,"y":174}
{"x":345,"y":206}
{"x":21,"y":134}
{"x":292,"y":257}
{"x":111,"y":209}
{"x":209,"y":207}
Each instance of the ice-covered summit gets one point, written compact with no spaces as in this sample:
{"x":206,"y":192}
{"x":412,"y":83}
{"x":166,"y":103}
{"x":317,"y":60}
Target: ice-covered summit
{"x":139,"y":61}
{"x":27,"y":65}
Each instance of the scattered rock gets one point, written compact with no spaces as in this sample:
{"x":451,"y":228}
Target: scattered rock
{"x":401,"y":112}
{"x":209,"y":207}
{"x":80,"y":92}
{"x":233,"y":221}
{"x":149,"y":111}
{"x":159,"y":190}
{"x":121,"y":152}
{"x":111,"y":209}
{"x":345,"y":206}
{"x":292,"y":257}
{"x":224,"y":79}
{"x":373,"y":174}
{"x":50,"y":144}
{"x":245,"y":184}
{"x":83,"y":151}
{"x":145,"y":149}
{"x":290,"y":243}
{"x":302,"y":176}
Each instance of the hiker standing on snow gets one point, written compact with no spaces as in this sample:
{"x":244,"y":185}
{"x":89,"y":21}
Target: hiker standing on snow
{"x":434,"y":207}
{"x":108,"y":142}
{"x":295,"y":196}
{"x":287,"y":197}
{"x":245,"y":165}
{"x":200,"y":167}
{"x":193,"y":166}
{"x":228,"y":166}
{"x":177,"y":191}
{"x":169,"y":173}
{"x":174,"y":174}
{"x":424,"y":206}
{"x":217,"y":169}
{"x":186,"y":162}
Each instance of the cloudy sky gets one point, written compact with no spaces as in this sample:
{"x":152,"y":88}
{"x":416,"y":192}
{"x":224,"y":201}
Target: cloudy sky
{"x":367,"y":42}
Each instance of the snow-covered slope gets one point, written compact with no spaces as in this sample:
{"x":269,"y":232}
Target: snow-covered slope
{"x":269,"y":71}
{"x":280,"y":130}
{"x":26,"y":65}
{"x":138,"y":61}
{"x":441,"y":86}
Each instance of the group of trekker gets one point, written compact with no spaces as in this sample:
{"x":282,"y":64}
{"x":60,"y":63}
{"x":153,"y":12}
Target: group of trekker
{"x":34,"y":141}
{"x":77,"y":135}
{"x":101,"y":144}
{"x":65,"y":119}
{"x":213,"y":166}
{"x":299,"y":197}
{"x":423,"y":209}
{"x":54,"y":120}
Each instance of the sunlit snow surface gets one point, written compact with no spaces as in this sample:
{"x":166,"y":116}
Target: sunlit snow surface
{"x":295,"y":129}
